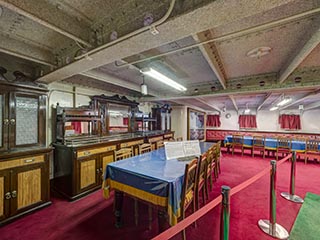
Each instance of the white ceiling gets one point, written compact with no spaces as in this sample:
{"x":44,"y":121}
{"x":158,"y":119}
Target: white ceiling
{"x":203,"y":45}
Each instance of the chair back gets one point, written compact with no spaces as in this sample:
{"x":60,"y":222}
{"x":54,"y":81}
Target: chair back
{"x":258,"y":141}
{"x":179,"y":139}
{"x":202,"y":170}
{"x":159,"y":144}
{"x":189,"y":184}
{"x":237,"y":139}
{"x":312,"y":145}
{"x":284,"y":143}
{"x":123,"y":153}
{"x":145,"y":147}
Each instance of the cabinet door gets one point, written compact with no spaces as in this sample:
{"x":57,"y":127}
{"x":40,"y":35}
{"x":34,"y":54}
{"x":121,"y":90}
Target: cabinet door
{"x":87,"y":173}
{"x":4,"y":121}
{"x":5,"y":194}
{"x":27,"y":187}
{"x":27,"y":120}
{"x":106,"y":158}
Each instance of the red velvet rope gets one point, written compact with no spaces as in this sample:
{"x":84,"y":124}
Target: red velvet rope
{"x":169,"y":233}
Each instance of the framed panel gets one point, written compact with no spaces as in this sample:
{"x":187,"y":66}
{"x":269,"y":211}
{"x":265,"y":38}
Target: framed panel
{"x":196,"y":124}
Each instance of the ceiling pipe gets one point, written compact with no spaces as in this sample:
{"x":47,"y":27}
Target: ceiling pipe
{"x":264,"y":101}
{"x":301,"y":99}
{"x":141,"y":30}
{"x":42,"y":22}
{"x":246,"y":31}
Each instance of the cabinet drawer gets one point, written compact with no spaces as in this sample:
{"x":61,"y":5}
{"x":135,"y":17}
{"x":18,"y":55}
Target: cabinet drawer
{"x":21,"y":162}
{"x":155,"y":139}
{"x":133,"y":143}
{"x":170,"y":135}
{"x":85,"y":153}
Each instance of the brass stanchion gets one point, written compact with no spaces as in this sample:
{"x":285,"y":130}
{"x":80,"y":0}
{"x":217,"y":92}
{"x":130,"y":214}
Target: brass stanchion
{"x":225,"y":213}
{"x":270,"y":226}
{"x":291,"y":196}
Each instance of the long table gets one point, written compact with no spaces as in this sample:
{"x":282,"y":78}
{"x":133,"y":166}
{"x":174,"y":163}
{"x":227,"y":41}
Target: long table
{"x":270,"y":143}
{"x":150,"y":178}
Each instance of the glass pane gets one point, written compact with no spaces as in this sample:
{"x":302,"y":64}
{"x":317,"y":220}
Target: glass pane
{"x":119,"y":118}
{"x":26,"y":120}
{"x":1,"y":113}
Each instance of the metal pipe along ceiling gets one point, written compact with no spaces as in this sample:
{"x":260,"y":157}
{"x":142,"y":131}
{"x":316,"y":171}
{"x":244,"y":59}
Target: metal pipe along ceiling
{"x":146,"y":28}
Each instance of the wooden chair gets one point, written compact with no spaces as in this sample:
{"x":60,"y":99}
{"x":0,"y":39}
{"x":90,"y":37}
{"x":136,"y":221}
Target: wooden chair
{"x":159,"y":144}
{"x":188,"y":196}
{"x":202,"y":180}
{"x":258,"y":143}
{"x":212,"y":165}
{"x":179,"y":139}
{"x":283,"y":146}
{"x":218,"y":158}
{"x":312,"y":150}
{"x":123,"y":153}
{"x":237,"y":142}
{"x":145,"y":147}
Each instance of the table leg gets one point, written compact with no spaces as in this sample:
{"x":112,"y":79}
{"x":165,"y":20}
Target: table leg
{"x":162,"y":220}
{"x":118,"y":208}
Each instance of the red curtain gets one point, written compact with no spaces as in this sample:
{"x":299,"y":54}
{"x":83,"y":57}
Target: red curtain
{"x":125,"y":121}
{"x":213,"y":120}
{"x":247,"y":121}
{"x":290,"y":121}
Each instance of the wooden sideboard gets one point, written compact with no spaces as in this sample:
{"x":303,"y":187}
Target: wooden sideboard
{"x":79,"y":169}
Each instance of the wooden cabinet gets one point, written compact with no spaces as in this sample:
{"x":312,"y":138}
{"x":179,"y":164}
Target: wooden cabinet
{"x":79,"y":171}
{"x":24,"y":184}
{"x":24,"y":158}
{"x":22,"y":116}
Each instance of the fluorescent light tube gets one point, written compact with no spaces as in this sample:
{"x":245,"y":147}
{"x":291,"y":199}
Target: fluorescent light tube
{"x":273,"y":108}
{"x":284,"y":102}
{"x":162,"y":78}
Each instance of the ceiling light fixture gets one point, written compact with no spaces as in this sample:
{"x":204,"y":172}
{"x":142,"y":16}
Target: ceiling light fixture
{"x":144,"y":88}
{"x":162,"y":78}
{"x":273,"y":108}
{"x":259,"y":52}
{"x":284,"y":101}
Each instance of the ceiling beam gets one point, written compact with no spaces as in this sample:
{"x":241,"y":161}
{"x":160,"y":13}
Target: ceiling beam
{"x":264,"y":101}
{"x":312,"y":106}
{"x":312,"y":94}
{"x":301,"y":55}
{"x":234,"y":102}
{"x":19,"y":49}
{"x":209,"y":105}
{"x":189,"y":105}
{"x":211,"y":54}
{"x":51,"y":17}
{"x":98,"y":75}
{"x":175,"y":28}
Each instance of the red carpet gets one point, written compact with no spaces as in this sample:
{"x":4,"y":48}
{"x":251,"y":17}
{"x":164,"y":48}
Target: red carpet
{"x":92,"y":217}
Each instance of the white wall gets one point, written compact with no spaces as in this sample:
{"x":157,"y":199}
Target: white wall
{"x":266,"y":121}
{"x":179,"y":121}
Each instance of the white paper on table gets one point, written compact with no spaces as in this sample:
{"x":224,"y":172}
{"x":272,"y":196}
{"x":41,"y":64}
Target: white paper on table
{"x":173,"y":150}
{"x":182,"y":149}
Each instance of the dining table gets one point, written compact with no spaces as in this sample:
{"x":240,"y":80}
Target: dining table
{"x":151,"y":178}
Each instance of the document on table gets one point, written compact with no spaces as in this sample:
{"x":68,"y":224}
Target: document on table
{"x":175,"y":150}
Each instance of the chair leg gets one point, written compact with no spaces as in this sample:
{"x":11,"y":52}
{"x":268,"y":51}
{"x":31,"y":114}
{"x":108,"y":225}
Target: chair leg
{"x":252,"y":152}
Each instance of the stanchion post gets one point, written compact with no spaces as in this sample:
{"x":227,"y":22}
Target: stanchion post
{"x":225,"y":213}
{"x":291,"y":196}
{"x":270,"y":226}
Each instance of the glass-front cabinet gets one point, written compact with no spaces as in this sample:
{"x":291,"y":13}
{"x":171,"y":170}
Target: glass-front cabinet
{"x":22,"y":117}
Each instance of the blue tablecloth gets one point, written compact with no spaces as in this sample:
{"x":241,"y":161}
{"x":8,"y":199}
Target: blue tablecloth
{"x":271,"y":143}
{"x":152,"y":178}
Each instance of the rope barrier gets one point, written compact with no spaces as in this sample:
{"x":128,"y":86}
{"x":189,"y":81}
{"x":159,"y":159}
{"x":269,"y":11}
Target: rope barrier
{"x":170,"y":232}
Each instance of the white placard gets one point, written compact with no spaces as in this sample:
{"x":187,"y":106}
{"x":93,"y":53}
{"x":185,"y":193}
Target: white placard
{"x":175,"y":150}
